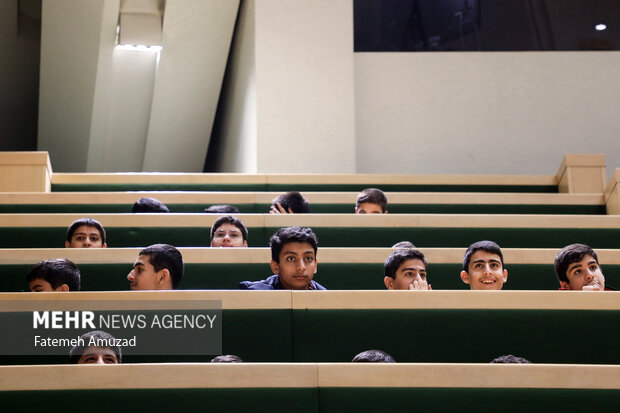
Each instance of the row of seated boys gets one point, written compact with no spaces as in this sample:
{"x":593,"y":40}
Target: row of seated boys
{"x":294,"y":263}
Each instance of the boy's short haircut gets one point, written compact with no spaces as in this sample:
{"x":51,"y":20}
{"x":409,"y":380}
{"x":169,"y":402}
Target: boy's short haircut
{"x":372,"y":196}
{"x":222,"y":209}
{"x":57,"y":272}
{"x":394,"y":261}
{"x":510,"y":359}
{"x":78,"y":350}
{"x":373,"y":356}
{"x":229,"y":219}
{"x":568,"y":255}
{"x":488,"y":246}
{"x":403,"y":245}
{"x":89,"y":222}
{"x":286,"y":235}
{"x":166,"y":256}
{"x":144,"y":205}
{"x":227,"y":358}
{"x":293,"y":200}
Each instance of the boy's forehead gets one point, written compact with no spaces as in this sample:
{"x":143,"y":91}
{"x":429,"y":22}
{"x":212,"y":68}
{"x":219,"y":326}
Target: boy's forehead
{"x":482,"y":255}
{"x":86,"y":229}
{"x":228,"y":227}
{"x":142,"y":260}
{"x":411,"y":263}
{"x":297,"y":248}
{"x":587,"y":259}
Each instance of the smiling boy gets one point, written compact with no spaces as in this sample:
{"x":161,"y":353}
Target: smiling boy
{"x":405,"y":269}
{"x":158,"y":267}
{"x":577,"y":268}
{"x":483,"y":266}
{"x":293,"y":262}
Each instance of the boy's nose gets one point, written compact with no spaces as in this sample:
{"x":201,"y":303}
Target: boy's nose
{"x":100,"y":359}
{"x":589,"y":275}
{"x":130,"y":276}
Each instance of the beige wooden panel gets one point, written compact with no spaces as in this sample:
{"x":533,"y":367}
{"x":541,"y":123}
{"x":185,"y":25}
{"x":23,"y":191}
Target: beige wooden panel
{"x":322,"y":220}
{"x":25,"y":172}
{"x":612,"y":194}
{"x":158,"y":376}
{"x":445,"y":299}
{"x":231,"y":299}
{"x":370,"y":179}
{"x":196,"y":255}
{"x":582,"y":173}
{"x":536,"y":376}
{"x":208,"y":198}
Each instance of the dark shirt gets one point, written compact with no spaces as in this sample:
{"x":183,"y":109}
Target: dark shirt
{"x":273,"y":283}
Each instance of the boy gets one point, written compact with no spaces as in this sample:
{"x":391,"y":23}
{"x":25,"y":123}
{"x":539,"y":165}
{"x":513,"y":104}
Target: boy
{"x":158,"y":267}
{"x":58,"y":274}
{"x":222,"y":209}
{"x":95,"y":348}
{"x":290,"y":203}
{"x":577,"y":268}
{"x":483,"y":266}
{"x":146,"y":205}
{"x":293,"y":262}
{"x":371,"y":201}
{"x":85,"y":233}
{"x":228,"y":231}
{"x":373,"y":356}
{"x":405,"y":269}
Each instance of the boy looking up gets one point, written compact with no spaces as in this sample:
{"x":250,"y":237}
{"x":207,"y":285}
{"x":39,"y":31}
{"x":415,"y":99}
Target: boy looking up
{"x":577,"y":268}
{"x":158,"y":267}
{"x":58,"y":274}
{"x":371,"y":201}
{"x":293,"y":262}
{"x":97,"y":348}
{"x":483,"y":266}
{"x":228,"y":231}
{"x":405,"y":269}
{"x":85,"y":233}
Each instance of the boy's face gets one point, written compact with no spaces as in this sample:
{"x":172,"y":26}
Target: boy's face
{"x":40,"y":285}
{"x":98,"y":355}
{"x":228,"y":235}
{"x":144,"y":277}
{"x":368,"y":208}
{"x":297,"y":265}
{"x":85,"y":237}
{"x":410,"y":271}
{"x":485,"y":272}
{"x":584,"y":275}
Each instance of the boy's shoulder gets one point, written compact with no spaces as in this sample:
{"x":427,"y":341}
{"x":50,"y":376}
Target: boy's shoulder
{"x":271,"y":283}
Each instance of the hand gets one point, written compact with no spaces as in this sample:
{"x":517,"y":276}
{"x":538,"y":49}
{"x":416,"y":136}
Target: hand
{"x":420,"y":285}
{"x":277,"y":209}
{"x":591,"y":287}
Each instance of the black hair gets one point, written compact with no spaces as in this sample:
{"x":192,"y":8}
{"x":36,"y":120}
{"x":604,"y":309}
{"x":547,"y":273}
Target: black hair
{"x":149,"y":205}
{"x":373,"y":356}
{"x":166,"y":256}
{"x":372,"y":196}
{"x":403,"y":245}
{"x":89,"y":222}
{"x":510,"y":359}
{"x":398,"y":257}
{"x":488,"y":246}
{"x":568,"y":255}
{"x":57,"y":272}
{"x":227,"y":358}
{"x":229,"y":219}
{"x":222,"y":209}
{"x":286,"y":235}
{"x":293,"y":200}
{"x":97,"y":337}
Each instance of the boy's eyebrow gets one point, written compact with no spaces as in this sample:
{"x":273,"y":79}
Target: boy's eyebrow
{"x":413,"y":268}
{"x":491,"y":260}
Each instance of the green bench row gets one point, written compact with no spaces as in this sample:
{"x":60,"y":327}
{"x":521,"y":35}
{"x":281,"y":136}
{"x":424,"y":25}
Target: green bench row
{"x":333,"y":276}
{"x":321,"y":208}
{"x":54,"y":237}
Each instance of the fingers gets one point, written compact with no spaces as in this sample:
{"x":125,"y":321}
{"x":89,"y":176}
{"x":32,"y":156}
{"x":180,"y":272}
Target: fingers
{"x":277,"y":209}
{"x":419,"y":285}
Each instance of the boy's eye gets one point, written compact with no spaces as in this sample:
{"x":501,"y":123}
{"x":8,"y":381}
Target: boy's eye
{"x":423,"y":275}
{"x":109,"y":360}
{"x":593,"y":267}
{"x":494,"y":265}
{"x":234,"y":235}
{"x":309,"y":259}
{"x":290,"y":259}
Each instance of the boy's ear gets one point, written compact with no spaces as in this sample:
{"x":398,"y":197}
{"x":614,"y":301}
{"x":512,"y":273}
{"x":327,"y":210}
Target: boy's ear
{"x":245,"y":243}
{"x":564,"y":285}
{"x":275,"y":268}
{"x":385,"y":212}
{"x":164,"y":276}
{"x":316,"y":267}
{"x":505,"y":275}
{"x":356,"y":210}
{"x":465,"y":277}
{"x":388,"y":283}
{"x":67,"y":244}
{"x":63,"y":288}
{"x":105,"y":245}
